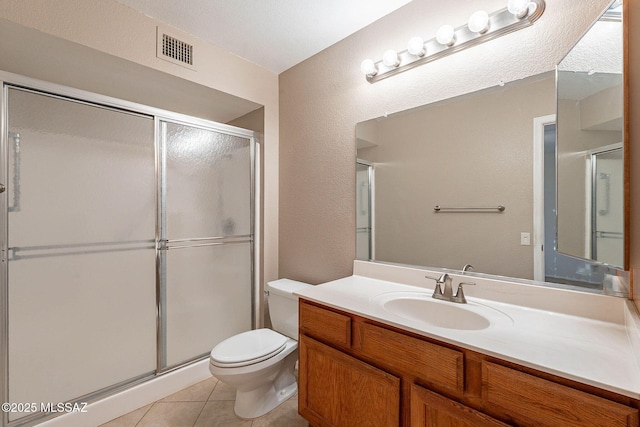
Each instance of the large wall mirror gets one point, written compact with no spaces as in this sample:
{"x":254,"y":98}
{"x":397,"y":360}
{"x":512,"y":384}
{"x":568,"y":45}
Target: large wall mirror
{"x":475,"y":179}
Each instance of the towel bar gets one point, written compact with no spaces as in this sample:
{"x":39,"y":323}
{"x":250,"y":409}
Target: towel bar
{"x":438,"y":208}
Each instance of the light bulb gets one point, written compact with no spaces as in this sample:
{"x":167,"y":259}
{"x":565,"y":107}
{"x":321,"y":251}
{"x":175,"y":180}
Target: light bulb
{"x":446,"y":35}
{"x":479,"y":22}
{"x":518,"y":8}
{"x":416,"y":46}
{"x":390,"y":58}
{"x":368,"y":67}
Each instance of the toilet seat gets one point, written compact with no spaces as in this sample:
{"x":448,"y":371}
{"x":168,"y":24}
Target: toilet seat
{"x":248,"y":348}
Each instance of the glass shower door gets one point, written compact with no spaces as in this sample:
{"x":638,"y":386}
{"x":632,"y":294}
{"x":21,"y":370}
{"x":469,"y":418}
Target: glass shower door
{"x":608,"y":207}
{"x":206,"y":238}
{"x":81,"y":247}
{"x":364,"y":226}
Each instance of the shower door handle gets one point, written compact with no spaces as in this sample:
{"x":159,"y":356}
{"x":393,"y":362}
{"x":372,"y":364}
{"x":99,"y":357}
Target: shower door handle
{"x":2,"y":188}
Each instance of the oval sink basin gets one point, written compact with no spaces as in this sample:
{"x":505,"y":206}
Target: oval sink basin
{"x":421,"y":307}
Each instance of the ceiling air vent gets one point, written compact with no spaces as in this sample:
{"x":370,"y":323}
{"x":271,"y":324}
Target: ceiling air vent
{"x":173,"y":49}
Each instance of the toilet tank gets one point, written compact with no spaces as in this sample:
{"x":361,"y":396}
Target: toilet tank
{"x":283,"y":306}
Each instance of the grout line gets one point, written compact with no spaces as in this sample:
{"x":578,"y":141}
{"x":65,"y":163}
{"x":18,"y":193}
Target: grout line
{"x":206,"y":401}
{"x":145,"y":414}
{"x":213,"y":388}
{"x":200,"y":413}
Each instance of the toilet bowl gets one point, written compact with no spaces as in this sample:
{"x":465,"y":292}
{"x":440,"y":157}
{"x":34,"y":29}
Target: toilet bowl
{"x":260,"y":363}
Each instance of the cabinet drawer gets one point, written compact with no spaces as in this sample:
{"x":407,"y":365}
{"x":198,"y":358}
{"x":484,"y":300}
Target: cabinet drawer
{"x":439,"y":366}
{"x":530,"y":401}
{"x":325,"y":325}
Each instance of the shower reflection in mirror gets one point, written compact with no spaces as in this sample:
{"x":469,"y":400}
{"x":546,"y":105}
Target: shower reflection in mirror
{"x":364,"y":210}
{"x":590,"y":144}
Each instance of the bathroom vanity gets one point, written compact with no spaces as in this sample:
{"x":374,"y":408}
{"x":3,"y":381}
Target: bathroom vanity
{"x":525,"y":355}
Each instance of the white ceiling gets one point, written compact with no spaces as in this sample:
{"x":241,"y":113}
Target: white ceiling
{"x":275,"y":34}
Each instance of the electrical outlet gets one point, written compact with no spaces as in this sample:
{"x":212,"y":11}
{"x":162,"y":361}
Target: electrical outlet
{"x":525,"y":239}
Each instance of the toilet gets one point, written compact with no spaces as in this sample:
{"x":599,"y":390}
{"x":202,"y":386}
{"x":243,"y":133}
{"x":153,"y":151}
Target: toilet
{"x":260,"y":363}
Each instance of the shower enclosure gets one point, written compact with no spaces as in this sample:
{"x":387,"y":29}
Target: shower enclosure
{"x":127,"y":243}
{"x":607,"y":201}
{"x":364,"y":210}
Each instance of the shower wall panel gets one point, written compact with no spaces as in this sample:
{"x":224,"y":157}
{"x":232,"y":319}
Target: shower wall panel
{"x":208,"y":183}
{"x":208,"y":298}
{"x":207,"y":230}
{"x":81,"y":246}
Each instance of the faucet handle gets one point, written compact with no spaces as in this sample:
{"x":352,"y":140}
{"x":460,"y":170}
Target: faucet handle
{"x":442,"y":279}
{"x":466,"y":284}
{"x":459,"y":296}
{"x":437,"y":291}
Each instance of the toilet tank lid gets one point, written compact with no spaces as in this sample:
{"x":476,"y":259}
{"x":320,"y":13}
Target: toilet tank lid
{"x":285,"y":286}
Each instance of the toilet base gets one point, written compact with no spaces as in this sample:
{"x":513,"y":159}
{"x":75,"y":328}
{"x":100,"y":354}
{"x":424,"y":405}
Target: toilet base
{"x":265,"y":398}
{"x":262,"y":386}
{"x":258,"y":402}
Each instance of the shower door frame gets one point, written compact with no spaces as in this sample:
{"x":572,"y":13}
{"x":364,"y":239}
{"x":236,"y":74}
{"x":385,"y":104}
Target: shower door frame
{"x":370,"y":207}
{"x":11,"y":80}
{"x":163,"y":245}
{"x":591,"y":218}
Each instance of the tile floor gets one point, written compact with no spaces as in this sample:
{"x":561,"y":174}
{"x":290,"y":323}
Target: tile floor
{"x":206,"y":404}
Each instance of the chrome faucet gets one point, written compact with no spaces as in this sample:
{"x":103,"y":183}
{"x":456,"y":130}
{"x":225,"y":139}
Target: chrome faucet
{"x":447,"y":293}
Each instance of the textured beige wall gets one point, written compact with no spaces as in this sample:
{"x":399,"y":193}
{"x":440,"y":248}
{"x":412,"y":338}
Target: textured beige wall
{"x":476,"y":150}
{"x":323,"y":98}
{"x":108,"y":27}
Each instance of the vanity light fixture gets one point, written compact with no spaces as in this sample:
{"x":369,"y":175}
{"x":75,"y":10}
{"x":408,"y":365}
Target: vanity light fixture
{"x":446,"y":35}
{"x":518,"y":8}
{"x":416,"y":47}
{"x":481,"y":27}
{"x":369,"y":68}
{"x":390,"y":58}
{"x":479,"y":22}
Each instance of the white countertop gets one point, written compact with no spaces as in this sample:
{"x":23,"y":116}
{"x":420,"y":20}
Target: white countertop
{"x":583,"y":348}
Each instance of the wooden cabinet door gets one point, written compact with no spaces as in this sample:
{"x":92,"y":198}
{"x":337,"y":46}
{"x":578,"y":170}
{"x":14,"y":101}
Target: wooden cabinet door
{"x":429,"y":409}
{"x":337,"y":390}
